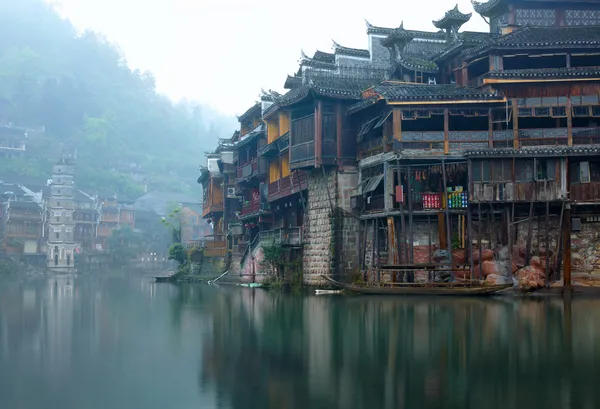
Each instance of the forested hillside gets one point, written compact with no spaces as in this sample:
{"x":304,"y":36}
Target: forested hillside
{"x":79,"y":87}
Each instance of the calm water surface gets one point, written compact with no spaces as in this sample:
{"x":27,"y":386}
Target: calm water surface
{"x":107,"y":341}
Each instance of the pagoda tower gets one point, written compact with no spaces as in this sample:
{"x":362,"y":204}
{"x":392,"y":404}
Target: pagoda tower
{"x":61,"y":226}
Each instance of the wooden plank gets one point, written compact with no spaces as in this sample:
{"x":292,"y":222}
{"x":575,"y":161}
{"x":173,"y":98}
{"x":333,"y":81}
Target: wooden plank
{"x":470,"y":244}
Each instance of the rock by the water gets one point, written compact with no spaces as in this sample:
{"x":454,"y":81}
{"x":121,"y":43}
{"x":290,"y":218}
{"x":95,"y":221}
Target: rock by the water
{"x":531,"y":278}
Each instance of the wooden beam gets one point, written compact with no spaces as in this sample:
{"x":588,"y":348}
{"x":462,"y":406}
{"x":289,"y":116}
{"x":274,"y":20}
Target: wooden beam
{"x":446,"y":132}
{"x":515,"y":118}
{"x":442,"y":229}
{"x":547,"y":226}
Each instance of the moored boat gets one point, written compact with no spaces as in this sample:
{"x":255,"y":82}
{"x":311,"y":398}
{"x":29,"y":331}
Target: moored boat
{"x":456,"y":289}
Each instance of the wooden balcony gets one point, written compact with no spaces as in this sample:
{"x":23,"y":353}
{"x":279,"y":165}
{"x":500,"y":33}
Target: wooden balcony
{"x":532,"y":191}
{"x":209,"y":208}
{"x":255,"y":168}
{"x":252,"y":208}
{"x":288,"y":185}
{"x":285,"y":236}
{"x":215,"y":246}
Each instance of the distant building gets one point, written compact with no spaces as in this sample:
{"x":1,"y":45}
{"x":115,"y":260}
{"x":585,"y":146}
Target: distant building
{"x":13,"y":141}
{"x":160,"y":202}
{"x":20,"y":220}
{"x":61,"y":242}
{"x":114,"y":214}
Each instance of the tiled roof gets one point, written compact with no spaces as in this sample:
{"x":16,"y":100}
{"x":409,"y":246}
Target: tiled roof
{"x":417,"y":64}
{"x":452,"y":18}
{"x":306,"y":61}
{"x":292,"y":82}
{"x":542,"y":38}
{"x":401,"y":33}
{"x":365,"y":103}
{"x":324,"y":57}
{"x":466,"y":40}
{"x":371,"y":29}
{"x":259,"y":130}
{"x":535,"y":151}
{"x":423,"y":92}
{"x":353,"y":52}
{"x":254,"y":110}
{"x":485,"y":8}
{"x":578,"y":72}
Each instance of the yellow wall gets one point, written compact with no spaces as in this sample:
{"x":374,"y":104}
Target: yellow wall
{"x":285,"y":165}
{"x":284,"y":123}
{"x":272,"y":131}
{"x":274,"y":171}
{"x":215,"y":193}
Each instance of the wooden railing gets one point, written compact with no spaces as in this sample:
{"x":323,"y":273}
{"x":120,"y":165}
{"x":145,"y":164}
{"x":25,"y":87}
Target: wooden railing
{"x":251,"y":208}
{"x":302,"y":152}
{"x":291,"y":236}
{"x":287,"y":185}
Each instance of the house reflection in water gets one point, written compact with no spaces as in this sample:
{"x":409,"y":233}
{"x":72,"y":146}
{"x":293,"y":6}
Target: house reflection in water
{"x":394,"y":353}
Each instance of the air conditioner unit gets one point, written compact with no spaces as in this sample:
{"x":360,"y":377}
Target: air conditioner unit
{"x":231,"y":192}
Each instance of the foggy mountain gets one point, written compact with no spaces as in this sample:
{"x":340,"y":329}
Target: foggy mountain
{"x":80,"y":90}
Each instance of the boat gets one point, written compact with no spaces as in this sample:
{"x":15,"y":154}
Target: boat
{"x":460,"y":289}
{"x":325,"y":292}
{"x":165,"y":279}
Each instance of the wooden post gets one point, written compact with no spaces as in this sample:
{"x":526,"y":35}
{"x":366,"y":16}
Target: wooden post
{"x":397,"y":128}
{"x":529,"y":232}
{"x":490,"y":130}
{"x":442,"y":229}
{"x":338,"y":129}
{"x":569,"y":122}
{"x":470,"y":243}
{"x":568,"y":60}
{"x":318,"y":133}
{"x":515,"y":118}
{"x":363,"y":251}
{"x":448,"y":236}
{"x":547,"y":222}
{"x":559,"y":243}
{"x":410,"y":217}
{"x":479,"y":238}
{"x":509,"y":226}
{"x":567,"y":251}
{"x":373,"y":244}
{"x":446,"y":131}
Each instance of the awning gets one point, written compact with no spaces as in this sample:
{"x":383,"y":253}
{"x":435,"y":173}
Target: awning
{"x":371,"y":184}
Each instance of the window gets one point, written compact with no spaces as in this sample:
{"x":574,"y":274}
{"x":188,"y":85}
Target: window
{"x":68,"y":230}
{"x":57,"y":235}
{"x":545,"y":169}
{"x":524,"y":170}
{"x":584,"y":172}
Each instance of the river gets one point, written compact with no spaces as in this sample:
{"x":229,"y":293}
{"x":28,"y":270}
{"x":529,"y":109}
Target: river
{"x":117,"y":341}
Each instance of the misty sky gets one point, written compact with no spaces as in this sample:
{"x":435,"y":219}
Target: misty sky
{"x":222,"y":52}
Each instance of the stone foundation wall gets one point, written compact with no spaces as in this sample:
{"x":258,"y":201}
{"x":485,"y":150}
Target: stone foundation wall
{"x":318,"y":222}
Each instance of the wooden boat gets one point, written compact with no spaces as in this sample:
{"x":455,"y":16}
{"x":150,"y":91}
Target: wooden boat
{"x":164,"y":279}
{"x":460,"y":289}
{"x":326,"y":292}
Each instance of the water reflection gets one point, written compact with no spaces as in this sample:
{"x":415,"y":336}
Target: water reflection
{"x":106,"y":341}
{"x":269,"y":351}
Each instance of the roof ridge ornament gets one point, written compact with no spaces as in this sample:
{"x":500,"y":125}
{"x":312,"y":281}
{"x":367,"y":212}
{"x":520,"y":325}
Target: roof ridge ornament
{"x":369,"y":25}
{"x":335,"y":45}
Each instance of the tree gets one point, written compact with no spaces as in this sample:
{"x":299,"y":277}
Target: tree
{"x":177,"y":252}
{"x":274,"y":259}
{"x":175,"y":223}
